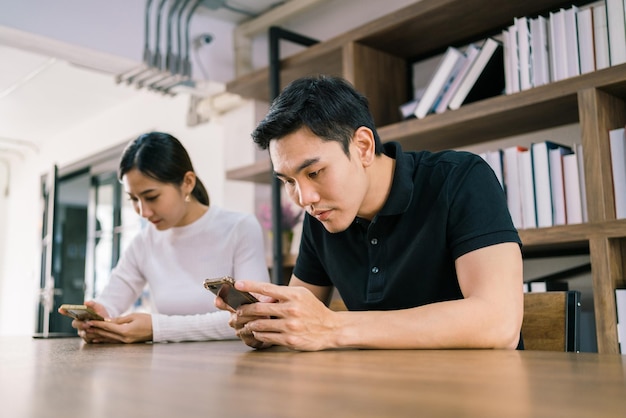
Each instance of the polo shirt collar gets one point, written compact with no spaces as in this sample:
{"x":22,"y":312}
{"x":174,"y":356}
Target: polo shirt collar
{"x":401,"y":193}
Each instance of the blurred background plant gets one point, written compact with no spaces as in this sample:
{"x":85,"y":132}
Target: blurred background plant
{"x":291,"y":215}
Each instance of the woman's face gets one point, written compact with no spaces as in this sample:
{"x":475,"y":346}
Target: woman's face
{"x":163,"y":204}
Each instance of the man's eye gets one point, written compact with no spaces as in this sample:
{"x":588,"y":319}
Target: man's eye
{"x":314,"y":174}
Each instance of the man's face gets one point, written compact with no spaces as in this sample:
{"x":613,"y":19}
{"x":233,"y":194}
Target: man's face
{"x":319,"y":177}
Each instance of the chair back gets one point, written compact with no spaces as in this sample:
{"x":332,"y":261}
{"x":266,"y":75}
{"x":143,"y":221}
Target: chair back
{"x":552,"y":321}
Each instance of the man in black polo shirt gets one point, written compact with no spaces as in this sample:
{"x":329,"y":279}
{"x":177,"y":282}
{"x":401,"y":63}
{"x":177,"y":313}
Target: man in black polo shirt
{"x":420,"y":245}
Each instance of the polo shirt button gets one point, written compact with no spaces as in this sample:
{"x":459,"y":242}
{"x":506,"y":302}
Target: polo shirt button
{"x":374,"y":270}
{"x":374,"y":241}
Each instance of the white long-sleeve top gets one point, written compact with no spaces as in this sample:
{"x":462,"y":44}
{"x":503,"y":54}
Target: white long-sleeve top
{"x":174,"y":264}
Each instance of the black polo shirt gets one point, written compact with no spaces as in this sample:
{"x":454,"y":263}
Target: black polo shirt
{"x":441,"y":206}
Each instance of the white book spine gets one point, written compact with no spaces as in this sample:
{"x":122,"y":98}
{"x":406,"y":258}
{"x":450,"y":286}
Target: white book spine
{"x":571,"y":182}
{"x":529,"y":215}
{"x":541,"y":181}
{"x":618,"y":168}
{"x":508,"y":65}
{"x":494,"y":159}
{"x":600,"y":37}
{"x":581,"y":174}
{"x":523,"y":47}
{"x":470,"y":55}
{"x":557,"y":186}
{"x":584,"y":21}
{"x":514,"y":59}
{"x":540,"y":56}
{"x":558,"y":59}
{"x":512,"y":185}
{"x":620,"y":303}
{"x":616,"y":24}
{"x":571,"y":42}
{"x":437,"y":83}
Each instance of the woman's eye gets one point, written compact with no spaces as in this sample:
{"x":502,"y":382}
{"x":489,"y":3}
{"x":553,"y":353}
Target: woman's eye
{"x":313,"y":174}
{"x":151,"y":198}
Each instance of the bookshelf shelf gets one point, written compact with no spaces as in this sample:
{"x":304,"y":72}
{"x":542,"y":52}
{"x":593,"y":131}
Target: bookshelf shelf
{"x":539,"y":108}
{"x":375,"y":58}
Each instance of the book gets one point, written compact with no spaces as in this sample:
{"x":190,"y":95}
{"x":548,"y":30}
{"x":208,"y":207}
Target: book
{"x":544,"y":172}
{"x":444,"y":73}
{"x":547,"y":286}
{"x":571,"y":185}
{"x":581,"y":174}
{"x":620,"y":304}
{"x":471,"y":52}
{"x":540,"y":56}
{"x":408,"y":109}
{"x":494,"y":159}
{"x":511,"y":60}
{"x":600,"y":36}
{"x":529,"y":213}
{"x":572,"y":67}
{"x":558,"y":57}
{"x":584,"y":23}
{"x":523,"y":51}
{"x":616,"y":25}
{"x":557,"y":184}
{"x":485,"y":78}
{"x":617,"y":140}
{"x":512,"y":183}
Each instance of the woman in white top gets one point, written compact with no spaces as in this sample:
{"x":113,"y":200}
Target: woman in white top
{"x":188,"y":241}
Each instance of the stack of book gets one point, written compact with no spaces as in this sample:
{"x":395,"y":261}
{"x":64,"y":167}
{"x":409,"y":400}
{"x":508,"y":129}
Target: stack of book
{"x":460,"y":77}
{"x":531,"y":52}
{"x":544,"y":183}
{"x":566,"y":43}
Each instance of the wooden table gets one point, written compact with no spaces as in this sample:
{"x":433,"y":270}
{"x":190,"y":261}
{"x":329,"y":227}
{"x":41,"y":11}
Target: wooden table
{"x":67,"y":378}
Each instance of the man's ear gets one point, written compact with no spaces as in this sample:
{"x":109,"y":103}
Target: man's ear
{"x":365,"y":144}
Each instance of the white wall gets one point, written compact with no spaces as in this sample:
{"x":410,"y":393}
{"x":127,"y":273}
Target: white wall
{"x":331,"y":18}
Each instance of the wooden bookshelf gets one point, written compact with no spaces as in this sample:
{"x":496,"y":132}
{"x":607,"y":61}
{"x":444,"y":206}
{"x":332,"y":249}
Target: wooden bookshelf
{"x":375,"y":58}
{"x":544,"y":107}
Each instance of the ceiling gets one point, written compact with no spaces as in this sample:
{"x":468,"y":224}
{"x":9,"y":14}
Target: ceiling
{"x":42,"y":96}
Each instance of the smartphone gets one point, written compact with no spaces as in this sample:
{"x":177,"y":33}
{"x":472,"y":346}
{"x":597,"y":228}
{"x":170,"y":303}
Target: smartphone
{"x":224,"y":287}
{"x":81,"y":312}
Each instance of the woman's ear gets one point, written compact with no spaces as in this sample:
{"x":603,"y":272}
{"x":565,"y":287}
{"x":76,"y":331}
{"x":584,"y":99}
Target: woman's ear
{"x":189,"y":182}
{"x":365,"y":144}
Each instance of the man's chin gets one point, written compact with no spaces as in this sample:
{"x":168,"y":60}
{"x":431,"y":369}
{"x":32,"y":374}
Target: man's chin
{"x":334,"y":227}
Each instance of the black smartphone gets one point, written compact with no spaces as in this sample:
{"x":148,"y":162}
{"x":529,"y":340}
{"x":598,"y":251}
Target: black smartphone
{"x":224,"y":287}
{"x":81,"y":312}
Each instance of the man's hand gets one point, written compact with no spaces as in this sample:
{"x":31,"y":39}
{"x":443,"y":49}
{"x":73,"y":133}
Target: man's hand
{"x":297,"y":319}
{"x":238,"y":322}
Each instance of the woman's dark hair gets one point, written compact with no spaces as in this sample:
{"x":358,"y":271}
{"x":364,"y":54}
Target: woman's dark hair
{"x":328,"y":106}
{"x":162,"y":157}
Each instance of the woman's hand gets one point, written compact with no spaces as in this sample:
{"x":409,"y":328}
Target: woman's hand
{"x":133,"y":328}
{"x":84,"y":327}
